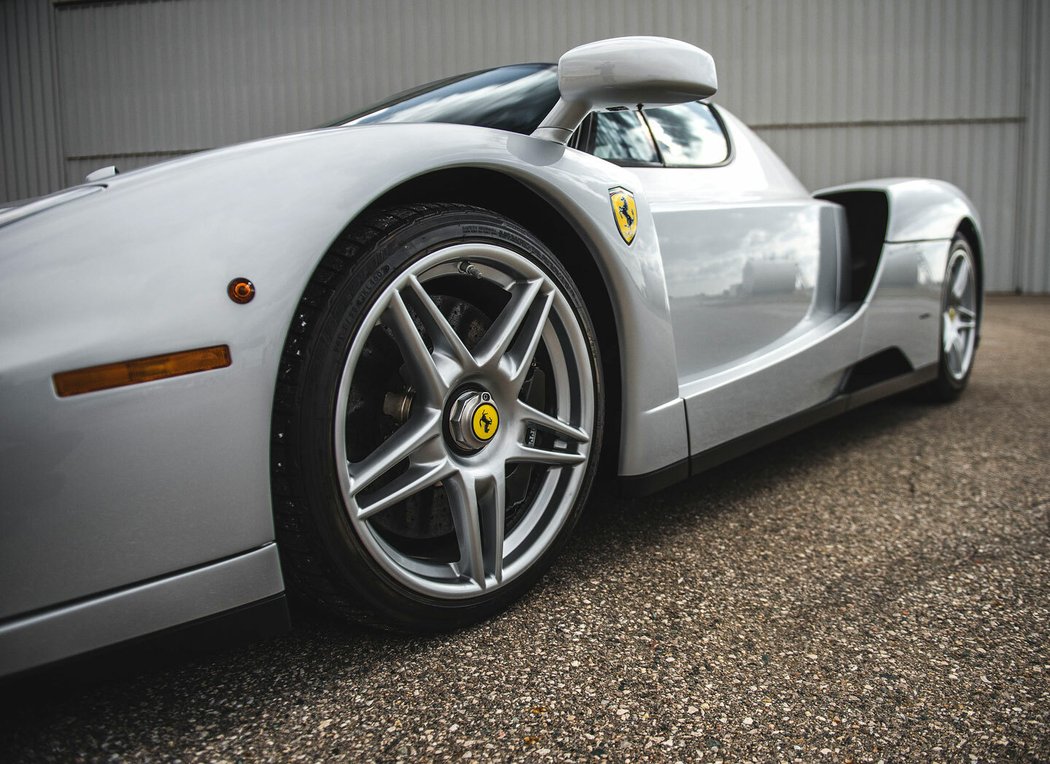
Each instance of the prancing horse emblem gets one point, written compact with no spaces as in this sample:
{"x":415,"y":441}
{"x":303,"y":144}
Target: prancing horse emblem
{"x":485,"y":421}
{"x":625,"y":211}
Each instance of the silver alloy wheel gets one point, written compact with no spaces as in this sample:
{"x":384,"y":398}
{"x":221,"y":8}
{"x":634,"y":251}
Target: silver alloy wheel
{"x":959,"y":315}
{"x":420,"y":454}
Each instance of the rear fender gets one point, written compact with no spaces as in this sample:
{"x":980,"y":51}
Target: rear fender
{"x":902,"y":290}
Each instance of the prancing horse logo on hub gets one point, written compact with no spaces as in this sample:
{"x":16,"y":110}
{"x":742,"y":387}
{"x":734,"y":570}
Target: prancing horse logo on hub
{"x":485,"y":421}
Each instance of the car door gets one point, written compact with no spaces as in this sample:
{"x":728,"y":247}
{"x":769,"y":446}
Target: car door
{"x":752,"y":267}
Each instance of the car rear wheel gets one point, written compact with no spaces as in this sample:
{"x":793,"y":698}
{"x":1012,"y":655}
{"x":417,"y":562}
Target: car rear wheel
{"x":438,"y":419}
{"x":959,"y":320}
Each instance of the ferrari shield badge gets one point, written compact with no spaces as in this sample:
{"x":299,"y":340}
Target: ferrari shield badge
{"x":625,"y":211}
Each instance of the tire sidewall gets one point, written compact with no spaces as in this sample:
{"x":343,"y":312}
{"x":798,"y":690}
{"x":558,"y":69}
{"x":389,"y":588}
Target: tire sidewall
{"x":948,"y":387}
{"x":351,"y":564}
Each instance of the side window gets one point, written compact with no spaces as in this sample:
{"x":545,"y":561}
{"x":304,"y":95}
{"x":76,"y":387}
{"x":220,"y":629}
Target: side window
{"x":621,"y":136}
{"x":689,"y":135}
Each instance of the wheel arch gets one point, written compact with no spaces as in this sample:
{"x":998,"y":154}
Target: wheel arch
{"x":499,"y":192}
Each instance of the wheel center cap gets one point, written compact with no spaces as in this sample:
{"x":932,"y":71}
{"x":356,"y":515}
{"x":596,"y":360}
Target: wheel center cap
{"x":473,"y":420}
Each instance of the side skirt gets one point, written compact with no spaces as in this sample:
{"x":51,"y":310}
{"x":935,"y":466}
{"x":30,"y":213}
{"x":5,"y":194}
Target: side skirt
{"x":640,"y":485}
{"x":154,"y":606}
{"x":256,"y":621}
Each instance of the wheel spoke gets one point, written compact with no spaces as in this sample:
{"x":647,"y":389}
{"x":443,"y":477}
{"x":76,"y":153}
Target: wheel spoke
{"x":492,"y":501}
{"x":966,"y":312}
{"x":563,"y":430}
{"x":411,"y":482}
{"x":463,"y":500}
{"x":962,"y":276}
{"x":414,"y":351}
{"x":404,"y":442}
{"x":550,"y":457}
{"x":520,"y":354}
{"x":949,"y":334}
{"x":501,"y":334}
{"x":417,"y":358}
{"x":959,"y":325}
{"x":440,"y":330}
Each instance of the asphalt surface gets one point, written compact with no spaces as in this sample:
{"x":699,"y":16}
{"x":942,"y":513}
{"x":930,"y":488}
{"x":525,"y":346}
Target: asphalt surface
{"x":875,"y":588}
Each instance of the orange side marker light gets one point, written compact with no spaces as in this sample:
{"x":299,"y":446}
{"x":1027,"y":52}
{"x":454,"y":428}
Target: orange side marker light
{"x":123,"y":373}
{"x":241,"y":290}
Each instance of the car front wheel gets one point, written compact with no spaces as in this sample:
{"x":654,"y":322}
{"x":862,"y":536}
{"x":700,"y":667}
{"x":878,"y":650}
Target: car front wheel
{"x":437,"y":421}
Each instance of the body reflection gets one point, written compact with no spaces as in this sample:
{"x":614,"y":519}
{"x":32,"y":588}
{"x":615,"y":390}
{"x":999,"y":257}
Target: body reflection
{"x":739,"y":279}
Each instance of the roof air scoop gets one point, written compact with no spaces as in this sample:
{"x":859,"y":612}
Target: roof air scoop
{"x":101,"y":174}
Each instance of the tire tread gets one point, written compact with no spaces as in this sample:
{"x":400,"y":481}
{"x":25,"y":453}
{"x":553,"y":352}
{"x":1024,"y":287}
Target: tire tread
{"x":308,"y":576}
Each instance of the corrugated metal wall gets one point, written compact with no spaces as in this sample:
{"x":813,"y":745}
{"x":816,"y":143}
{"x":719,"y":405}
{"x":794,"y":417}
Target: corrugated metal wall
{"x":1033,"y":243}
{"x":955,"y":89}
{"x":30,"y":147}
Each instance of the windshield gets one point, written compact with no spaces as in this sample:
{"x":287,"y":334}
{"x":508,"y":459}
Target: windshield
{"x":514,"y":98}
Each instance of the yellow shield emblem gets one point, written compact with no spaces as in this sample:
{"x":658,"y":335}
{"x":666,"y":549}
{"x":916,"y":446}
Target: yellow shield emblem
{"x":625,"y":211}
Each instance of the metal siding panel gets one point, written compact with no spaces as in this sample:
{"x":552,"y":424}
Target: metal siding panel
{"x":1034,"y":267}
{"x":282,"y":66}
{"x":30,"y":148}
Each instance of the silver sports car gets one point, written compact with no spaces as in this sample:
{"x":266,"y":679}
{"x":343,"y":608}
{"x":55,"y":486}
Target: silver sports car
{"x":377,"y":364}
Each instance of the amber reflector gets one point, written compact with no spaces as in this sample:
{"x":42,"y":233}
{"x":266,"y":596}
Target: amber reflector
{"x":140,"y":370}
{"x":241,"y":291}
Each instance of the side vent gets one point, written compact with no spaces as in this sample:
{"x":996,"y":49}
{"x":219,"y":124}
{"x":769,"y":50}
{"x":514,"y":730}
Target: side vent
{"x":867,"y":213}
{"x":875,"y":369}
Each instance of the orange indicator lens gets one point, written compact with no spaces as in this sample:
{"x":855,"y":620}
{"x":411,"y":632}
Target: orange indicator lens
{"x":241,"y":291}
{"x":140,"y":370}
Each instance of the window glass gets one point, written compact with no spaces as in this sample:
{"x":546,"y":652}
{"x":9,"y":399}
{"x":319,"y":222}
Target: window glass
{"x":621,"y":136}
{"x":688,"y":134}
{"x":514,"y":98}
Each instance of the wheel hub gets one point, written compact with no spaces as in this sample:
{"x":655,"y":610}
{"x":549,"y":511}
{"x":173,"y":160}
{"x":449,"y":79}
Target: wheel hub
{"x":473,"y":420}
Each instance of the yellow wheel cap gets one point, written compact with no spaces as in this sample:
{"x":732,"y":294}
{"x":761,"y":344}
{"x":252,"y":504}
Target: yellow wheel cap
{"x":485,"y":421}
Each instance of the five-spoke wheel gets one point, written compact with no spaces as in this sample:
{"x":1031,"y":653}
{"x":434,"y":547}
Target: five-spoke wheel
{"x":960,"y":304}
{"x":449,"y":417}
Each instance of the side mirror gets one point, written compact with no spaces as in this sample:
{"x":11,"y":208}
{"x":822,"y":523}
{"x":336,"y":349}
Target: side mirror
{"x":626,"y":72}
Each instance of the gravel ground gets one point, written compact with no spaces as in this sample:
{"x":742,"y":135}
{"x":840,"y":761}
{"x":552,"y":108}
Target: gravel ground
{"x":877,"y":587}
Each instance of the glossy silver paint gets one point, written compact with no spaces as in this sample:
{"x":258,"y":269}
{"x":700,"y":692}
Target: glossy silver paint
{"x":905,"y":299}
{"x":748,"y":254}
{"x":755,"y":345}
{"x":139,"y":610}
{"x":140,"y":482}
{"x":150,"y":481}
{"x":920,"y":209}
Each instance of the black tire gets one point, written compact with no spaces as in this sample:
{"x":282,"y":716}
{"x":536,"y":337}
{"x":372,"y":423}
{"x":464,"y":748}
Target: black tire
{"x":953,"y":376}
{"x":337,"y":375}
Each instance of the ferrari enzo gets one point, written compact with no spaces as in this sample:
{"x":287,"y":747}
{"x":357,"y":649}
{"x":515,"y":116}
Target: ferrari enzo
{"x":377,"y":364}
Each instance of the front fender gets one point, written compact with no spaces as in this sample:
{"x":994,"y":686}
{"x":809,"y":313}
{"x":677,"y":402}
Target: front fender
{"x":176,"y":473}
